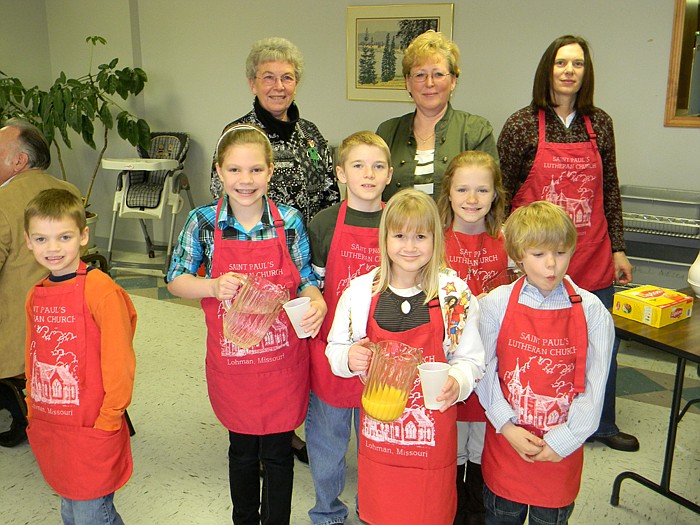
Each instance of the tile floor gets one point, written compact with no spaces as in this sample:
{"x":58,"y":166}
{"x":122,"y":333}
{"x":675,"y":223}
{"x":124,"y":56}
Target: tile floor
{"x":180,"y":462}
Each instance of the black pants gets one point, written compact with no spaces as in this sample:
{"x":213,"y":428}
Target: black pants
{"x":245,"y":454}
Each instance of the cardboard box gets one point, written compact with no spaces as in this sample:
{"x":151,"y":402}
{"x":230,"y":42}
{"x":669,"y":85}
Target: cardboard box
{"x":652,"y":305}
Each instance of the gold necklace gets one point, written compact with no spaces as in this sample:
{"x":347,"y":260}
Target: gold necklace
{"x":422,"y":140}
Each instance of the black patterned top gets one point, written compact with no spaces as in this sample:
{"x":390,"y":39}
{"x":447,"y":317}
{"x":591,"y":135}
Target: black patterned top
{"x":304,"y":176}
{"x":517,"y":146}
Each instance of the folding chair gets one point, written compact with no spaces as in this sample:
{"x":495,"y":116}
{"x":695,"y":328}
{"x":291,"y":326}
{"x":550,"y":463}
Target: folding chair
{"x":146,"y":186}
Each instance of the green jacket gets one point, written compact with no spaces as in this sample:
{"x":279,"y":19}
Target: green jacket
{"x":457,"y":131}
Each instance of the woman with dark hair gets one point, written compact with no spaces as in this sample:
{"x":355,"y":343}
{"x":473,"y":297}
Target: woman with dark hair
{"x":561,"y":148}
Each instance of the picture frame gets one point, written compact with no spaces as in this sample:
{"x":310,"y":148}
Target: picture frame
{"x":376,"y":38}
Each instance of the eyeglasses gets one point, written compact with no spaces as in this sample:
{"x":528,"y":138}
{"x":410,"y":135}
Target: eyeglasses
{"x":437,"y":76}
{"x":271,"y":80}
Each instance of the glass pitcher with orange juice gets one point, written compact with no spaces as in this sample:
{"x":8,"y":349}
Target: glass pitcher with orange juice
{"x":389,"y":379}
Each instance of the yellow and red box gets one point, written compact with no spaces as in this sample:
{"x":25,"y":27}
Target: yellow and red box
{"x":652,"y":305}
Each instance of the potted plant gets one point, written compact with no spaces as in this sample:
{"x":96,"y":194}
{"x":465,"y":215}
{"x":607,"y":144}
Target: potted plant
{"x":79,"y":104}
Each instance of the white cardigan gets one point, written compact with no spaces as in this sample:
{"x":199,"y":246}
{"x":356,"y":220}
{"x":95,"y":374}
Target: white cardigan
{"x":350,"y":325}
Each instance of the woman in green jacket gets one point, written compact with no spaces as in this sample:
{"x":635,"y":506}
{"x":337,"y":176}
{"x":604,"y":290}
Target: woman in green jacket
{"x":423,"y":142}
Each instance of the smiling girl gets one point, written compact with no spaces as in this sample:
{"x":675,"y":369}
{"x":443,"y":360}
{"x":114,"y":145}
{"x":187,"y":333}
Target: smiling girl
{"x":262,"y":400}
{"x":406,"y":476}
{"x":471,"y":207}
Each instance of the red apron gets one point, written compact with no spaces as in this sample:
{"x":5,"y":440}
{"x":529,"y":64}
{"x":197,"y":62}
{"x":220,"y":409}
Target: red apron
{"x":406,"y":469}
{"x":541,"y":366}
{"x":78,"y":461}
{"x":263,"y":389}
{"x":476,"y":258}
{"x":354,"y":251}
{"x":571,"y":176}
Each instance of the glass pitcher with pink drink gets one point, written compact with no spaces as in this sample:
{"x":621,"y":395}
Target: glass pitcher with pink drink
{"x":251,"y":312}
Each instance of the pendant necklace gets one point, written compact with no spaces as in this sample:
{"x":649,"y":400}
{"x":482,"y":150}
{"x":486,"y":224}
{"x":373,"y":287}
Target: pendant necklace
{"x":405,"y":304}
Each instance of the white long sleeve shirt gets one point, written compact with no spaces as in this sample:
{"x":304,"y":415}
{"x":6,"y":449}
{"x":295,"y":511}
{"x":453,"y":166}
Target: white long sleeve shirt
{"x":466,"y":358}
{"x":586,"y":407}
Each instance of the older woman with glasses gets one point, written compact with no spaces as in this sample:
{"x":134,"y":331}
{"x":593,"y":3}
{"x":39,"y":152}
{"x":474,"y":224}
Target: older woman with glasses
{"x":304,"y":175}
{"x":423,"y":142}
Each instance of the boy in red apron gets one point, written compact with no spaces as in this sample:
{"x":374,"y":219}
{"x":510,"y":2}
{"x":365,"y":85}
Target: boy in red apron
{"x":548,"y":348}
{"x":79,"y":365}
{"x":561,"y":148}
{"x":472,"y":206}
{"x":407,"y":468}
{"x":345,"y":243}
{"x":259,"y":394}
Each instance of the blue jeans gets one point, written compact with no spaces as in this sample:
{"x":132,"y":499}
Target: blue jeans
{"x":98,"y":511}
{"x":607,"y":426}
{"x":327,"y":431}
{"x":500,"y":511}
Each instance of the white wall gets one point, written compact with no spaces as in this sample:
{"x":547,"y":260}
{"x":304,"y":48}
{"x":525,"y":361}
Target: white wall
{"x":194,"y":54}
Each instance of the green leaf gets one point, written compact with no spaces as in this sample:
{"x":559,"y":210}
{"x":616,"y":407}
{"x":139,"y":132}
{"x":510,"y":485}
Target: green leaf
{"x":58,"y":101}
{"x":88,"y":132}
{"x":137,"y":83}
{"x":121,"y":124}
{"x":132,"y":132}
{"x":111,"y":85}
{"x":144,"y":134}
{"x":95,"y":40}
{"x":113,"y":63}
{"x":106,"y":116}
{"x":123,"y":90}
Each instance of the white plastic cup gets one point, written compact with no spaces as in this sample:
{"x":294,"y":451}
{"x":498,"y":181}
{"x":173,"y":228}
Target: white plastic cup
{"x":296,"y":308}
{"x":433,"y":377}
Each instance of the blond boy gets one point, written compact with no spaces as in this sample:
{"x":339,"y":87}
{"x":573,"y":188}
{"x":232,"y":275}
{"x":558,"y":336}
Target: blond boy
{"x":548,"y":347}
{"x":344,"y":243}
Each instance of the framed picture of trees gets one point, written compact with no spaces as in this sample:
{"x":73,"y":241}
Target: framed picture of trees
{"x":376,"y":39}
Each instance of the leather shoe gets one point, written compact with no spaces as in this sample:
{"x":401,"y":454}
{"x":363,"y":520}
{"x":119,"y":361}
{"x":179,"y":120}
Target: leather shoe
{"x":16,"y":435}
{"x":301,"y":454}
{"x":620,"y":441}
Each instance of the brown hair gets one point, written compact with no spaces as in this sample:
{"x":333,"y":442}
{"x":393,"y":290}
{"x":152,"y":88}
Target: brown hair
{"x":542,"y":87}
{"x":474,"y":159}
{"x":426,"y":47}
{"x":238,"y":134}
{"x":55,"y":204}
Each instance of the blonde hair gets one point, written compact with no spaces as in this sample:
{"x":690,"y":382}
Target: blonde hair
{"x":474,"y":159}
{"x":414,"y":211}
{"x":239,"y":134}
{"x":361,"y":138}
{"x":540,"y":224}
{"x":55,"y":204}
{"x":428,"y":46}
{"x":274,"y":49}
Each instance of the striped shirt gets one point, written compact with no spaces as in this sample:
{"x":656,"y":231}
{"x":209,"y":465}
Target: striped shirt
{"x":196,"y":242}
{"x":585,"y":409}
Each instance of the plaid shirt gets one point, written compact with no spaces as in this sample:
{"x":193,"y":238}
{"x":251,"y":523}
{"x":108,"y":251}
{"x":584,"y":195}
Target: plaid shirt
{"x":196,"y":242}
